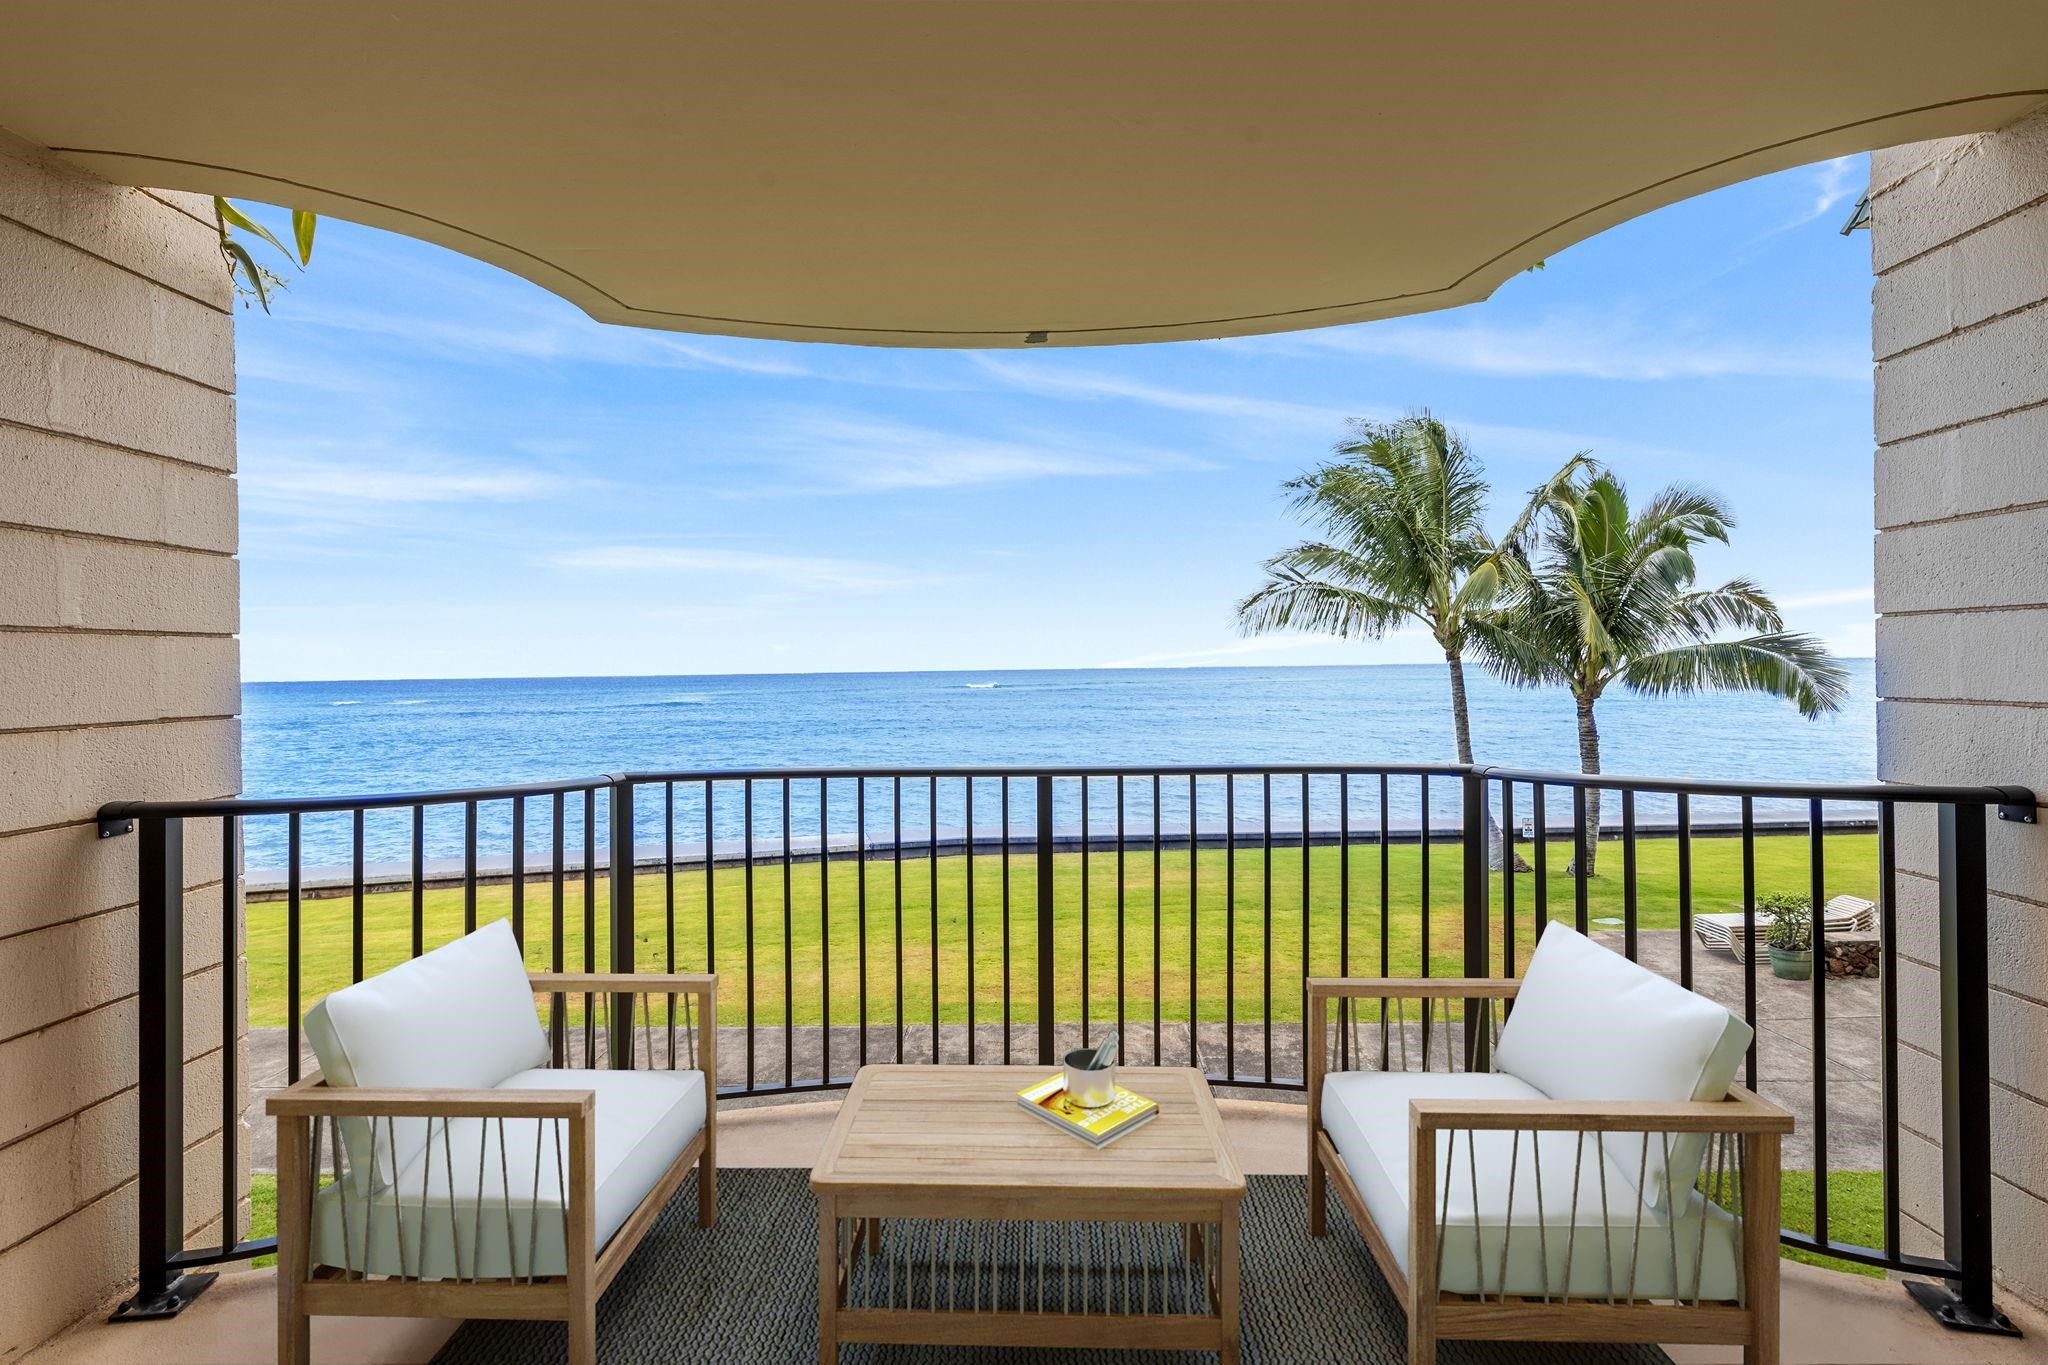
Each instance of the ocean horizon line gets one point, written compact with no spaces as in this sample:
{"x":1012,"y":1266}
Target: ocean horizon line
{"x":1424,"y":664}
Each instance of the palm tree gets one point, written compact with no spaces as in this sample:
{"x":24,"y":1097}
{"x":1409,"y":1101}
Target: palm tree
{"x":1613,"y":600}
{"x":1402,"y":511}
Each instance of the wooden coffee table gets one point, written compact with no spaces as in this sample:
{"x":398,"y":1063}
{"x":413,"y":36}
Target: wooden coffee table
{"x":949,"y":1216}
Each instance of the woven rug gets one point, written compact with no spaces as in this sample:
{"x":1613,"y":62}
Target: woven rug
{"x":745,"y":1293}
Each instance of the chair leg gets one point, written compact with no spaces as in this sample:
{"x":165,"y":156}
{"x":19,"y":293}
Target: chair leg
{"x":1422,"y":1249}
{"x":707,"y":1190}
{"x":294,"y":1219}
{"x":1421,"y":1342}
{"x":1761,"y":1159}
{"x":583,"y":1333}
{"x":294,"y":1335}
{"x":1318,"y":1221}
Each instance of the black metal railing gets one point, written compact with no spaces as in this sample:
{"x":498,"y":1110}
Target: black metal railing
{"x":1184,"y":905}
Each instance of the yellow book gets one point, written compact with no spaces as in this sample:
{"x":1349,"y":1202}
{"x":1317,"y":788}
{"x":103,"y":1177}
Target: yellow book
{"x":1097,"y":1127}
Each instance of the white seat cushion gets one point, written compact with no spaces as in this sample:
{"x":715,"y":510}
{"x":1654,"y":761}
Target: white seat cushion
{"x":642,"y":1122}
{"x":1552,"y":1245}
{"x":458,"y":1018}
{"x":1588,"y":1024}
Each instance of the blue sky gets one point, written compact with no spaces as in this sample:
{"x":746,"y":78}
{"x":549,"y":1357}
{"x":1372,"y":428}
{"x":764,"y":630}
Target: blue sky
{"x":449,"y":472}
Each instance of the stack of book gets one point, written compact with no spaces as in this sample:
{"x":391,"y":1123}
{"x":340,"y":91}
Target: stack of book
{"x":1096,"y":1127}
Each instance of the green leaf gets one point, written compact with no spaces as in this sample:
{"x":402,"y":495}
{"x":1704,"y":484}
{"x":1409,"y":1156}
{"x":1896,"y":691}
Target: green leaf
{"x":237,"y":219}
{"x":243,"y":259}
{"x":303,"y":224}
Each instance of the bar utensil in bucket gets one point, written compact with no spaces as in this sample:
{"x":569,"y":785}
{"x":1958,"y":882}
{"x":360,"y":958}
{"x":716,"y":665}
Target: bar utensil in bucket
{"x":1091,"y":1074}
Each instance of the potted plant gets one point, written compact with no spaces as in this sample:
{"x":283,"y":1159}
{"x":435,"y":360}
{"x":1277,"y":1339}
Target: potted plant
{"x":1790,"y":936}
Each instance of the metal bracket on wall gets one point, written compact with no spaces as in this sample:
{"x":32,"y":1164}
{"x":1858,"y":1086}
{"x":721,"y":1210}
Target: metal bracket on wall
{"x":114,"y":829}
{"x":2019,"y":815}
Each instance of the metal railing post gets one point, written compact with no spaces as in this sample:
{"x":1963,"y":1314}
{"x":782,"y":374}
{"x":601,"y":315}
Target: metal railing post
{"x":1046,"y":982}
{"x":621,"y":891}
{"x":1478,"y":896}
{"x":1965,"y":1076}
{"x":160,"y":1291}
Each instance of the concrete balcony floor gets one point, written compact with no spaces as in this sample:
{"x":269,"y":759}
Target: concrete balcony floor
{"x":1829,"y":1319}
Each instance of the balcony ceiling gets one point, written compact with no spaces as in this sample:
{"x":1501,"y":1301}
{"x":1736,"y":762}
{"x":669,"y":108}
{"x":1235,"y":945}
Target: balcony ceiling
{"x":943,"y":173}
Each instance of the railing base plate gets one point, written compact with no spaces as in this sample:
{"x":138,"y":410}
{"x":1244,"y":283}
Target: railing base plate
{"x":1946,"y":1308}
{"x":167,"y":1304}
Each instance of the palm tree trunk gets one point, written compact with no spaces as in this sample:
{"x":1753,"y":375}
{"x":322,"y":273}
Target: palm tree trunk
{"x":1589,"y":762}
{"x":1461,"y":726}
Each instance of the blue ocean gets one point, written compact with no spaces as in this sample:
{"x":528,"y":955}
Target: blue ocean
{"x":334,"y":738}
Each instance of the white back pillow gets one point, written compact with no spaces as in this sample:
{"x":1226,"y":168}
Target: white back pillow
{"x":1588,"y":1024}
{"x":460,"y":1017}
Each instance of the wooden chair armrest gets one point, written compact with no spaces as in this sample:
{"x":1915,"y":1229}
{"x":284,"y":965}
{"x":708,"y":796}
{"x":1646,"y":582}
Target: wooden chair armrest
{"x":314,"y":1098}
{"x":1413,"y":987}
{"x":624,"y":983}
{"x":1741,"y":1112}
{"x":702,"y":985}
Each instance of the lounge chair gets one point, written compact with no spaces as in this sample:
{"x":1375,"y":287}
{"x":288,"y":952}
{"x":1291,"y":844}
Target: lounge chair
{"x":1722,"y":931}
{"x":447,"y":1161}
{"x":1588,"y":1172}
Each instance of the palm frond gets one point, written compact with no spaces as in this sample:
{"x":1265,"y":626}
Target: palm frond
{"x":1512,"y":655}
{"x":1550,"y":495}
{"x":1485,"y":582}
{"x":1291,"y":602}
{"x":1320,"y":559}
{"x":1695,"y":512}
{"x":1738,"y":604}
{"x":1783,"y":664}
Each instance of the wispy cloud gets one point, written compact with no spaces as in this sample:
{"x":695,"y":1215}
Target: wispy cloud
{"x":1267,"y":644}
{"x":1835,"y":183}
{"x":260,"y":357}
{"x":312,"y":477}
{"x":1538,"y":445}
{"x":1094,"y":385}
{"x":804,"y":572}
{"x":864,"y":454}
{"x":551,"y":335}
{"x":1839,"y":597}
{"x":1856,"y":642}
{"x":442,"y":306}
{"x":1588,"y":348}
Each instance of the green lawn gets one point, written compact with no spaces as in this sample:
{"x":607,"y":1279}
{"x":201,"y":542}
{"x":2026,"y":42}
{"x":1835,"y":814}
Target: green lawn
{"x":1781,"y":865}
{"x":1855,"y":1213}
{"x":262,"y":1213}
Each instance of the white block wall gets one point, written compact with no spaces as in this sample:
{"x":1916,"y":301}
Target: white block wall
{"x":119,"y":677}
{"x":1959,"y":245}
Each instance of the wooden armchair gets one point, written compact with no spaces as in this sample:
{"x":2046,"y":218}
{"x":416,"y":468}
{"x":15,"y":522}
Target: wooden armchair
{"x":1562,"y":1178}
{"x":453,"y":1160}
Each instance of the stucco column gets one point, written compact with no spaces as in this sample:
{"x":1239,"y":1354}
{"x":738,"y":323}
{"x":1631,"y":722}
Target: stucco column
{"x":119,"y":677}
{"x":1959,"y":245}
